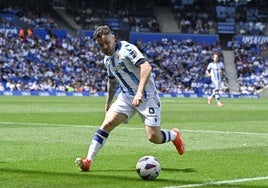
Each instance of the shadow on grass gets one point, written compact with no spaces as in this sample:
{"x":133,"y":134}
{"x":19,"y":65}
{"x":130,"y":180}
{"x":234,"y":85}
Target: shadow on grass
{"x":113,"y":177}
{"x":179,"y":170}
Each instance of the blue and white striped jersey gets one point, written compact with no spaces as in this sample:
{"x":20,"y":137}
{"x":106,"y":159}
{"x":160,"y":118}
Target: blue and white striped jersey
{"x":215,"y":70}
{"x":123,"y":65}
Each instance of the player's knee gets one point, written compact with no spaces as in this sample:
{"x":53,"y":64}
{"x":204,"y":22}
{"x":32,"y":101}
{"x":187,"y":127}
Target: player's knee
{"x":109,"y":125}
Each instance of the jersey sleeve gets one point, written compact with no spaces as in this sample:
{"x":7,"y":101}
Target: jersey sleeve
{"x":134,"y":55}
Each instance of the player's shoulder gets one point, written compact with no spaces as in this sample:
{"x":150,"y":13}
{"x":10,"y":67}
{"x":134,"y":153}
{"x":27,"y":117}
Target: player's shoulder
{"x":123,"y":42}
{"x":210,"y":64}
{"x":126,"y":44}
{"x":127,"y":48}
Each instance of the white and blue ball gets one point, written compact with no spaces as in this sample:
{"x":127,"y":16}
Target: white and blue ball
{"x":148,"y":167}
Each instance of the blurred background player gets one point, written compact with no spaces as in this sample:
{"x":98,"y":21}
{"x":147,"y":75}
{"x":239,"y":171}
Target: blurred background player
{"x":128,"y":68}
{"x":214,"y":71}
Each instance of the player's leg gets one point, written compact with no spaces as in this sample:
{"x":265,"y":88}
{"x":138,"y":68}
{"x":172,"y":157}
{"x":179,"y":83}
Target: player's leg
{"x":210,"y":98}
{"x":155,"y":135}
{"x":112,"y":119}
{"x":159,"y":136}
{"x":119,"y":112}
{"x":150,"y":112}
{"x":217,"y":95}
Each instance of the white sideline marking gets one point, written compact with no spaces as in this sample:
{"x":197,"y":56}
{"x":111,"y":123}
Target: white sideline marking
{"x":220,"y":182}
{"x":82,"y":126}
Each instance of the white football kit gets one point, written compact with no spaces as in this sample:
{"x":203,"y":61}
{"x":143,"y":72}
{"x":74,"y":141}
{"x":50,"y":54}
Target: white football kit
{"x":215,"y":70}
{"x":123,"y":65}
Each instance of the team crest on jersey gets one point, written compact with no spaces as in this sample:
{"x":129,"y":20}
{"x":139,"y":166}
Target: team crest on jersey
{"x":133,"y":53}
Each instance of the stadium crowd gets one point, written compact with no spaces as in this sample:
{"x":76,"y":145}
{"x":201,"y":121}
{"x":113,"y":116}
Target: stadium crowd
{"x":46,"y":65}
{"x":76,"y":65}
{"x":201,"y":17}
{"x":29,"y":63}
{"x":30,"y":16}
{"x":133,"y":14}
{"x":180,"y":65}
{"x":252,"y":66}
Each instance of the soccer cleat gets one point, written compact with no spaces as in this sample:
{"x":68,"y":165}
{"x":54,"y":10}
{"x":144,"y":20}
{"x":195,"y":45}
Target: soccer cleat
{"x":220,"y":104}
{"x":178,"y":141}
{"x":209,"y":100}
{"x":83,"y":164}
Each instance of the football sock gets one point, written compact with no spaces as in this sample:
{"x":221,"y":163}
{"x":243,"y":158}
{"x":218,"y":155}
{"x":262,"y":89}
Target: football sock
{"x":217,"y":97}
{"x":167,"y":136}
{"x":97,"y":143}
{"x":212,"y":95}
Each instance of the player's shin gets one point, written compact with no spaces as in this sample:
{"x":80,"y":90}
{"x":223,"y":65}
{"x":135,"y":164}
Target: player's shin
{"x":97,"y":143}
{"x":217,"y":97}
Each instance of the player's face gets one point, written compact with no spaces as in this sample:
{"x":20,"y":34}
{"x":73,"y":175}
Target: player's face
{"x":215,"y":58}
{"x":107,"y":44}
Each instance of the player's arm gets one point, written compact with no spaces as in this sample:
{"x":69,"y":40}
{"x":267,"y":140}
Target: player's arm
{"x":145,"y":72}
{"x":111,"y":89}
{"x":208,"y":73}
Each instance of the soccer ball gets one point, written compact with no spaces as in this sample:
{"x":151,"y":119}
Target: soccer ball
{"x":148,"y":167}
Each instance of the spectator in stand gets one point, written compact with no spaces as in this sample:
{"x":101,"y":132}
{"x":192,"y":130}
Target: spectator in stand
{"x":251,"y":63}
{"x":2,"y":88}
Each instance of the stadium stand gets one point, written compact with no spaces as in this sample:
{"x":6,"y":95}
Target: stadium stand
{"x":195,"y":18}
{"x":120,"y":14}
{"x":252,"y":66}
{"x":29,"y":62}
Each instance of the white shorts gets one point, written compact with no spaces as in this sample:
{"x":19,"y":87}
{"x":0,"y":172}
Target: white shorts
{"x":149,"y":110}
{"x":216,"y":84}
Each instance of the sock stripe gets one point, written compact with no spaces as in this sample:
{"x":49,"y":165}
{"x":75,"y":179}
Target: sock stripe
{"x":98,"y":138}
{"x":102,"y":133}
{"x":164,"y":136}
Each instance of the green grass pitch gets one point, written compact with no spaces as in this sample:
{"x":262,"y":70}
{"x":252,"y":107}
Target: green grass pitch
{"x":40,"y":137}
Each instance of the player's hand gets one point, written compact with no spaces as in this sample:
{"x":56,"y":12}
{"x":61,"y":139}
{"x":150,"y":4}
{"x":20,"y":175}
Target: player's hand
{"x":137,"y":99}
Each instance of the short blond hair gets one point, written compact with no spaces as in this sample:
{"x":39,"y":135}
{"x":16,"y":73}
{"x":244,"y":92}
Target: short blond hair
{"x":102,"y":30}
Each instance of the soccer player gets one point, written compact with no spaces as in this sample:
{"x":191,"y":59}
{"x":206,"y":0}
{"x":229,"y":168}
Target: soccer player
{"x":128,"y":69}
{"x":215,"y":70}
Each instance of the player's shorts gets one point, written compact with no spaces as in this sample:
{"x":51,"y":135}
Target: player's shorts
{"x":149,"y":110}
{"x":216,"y":84}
